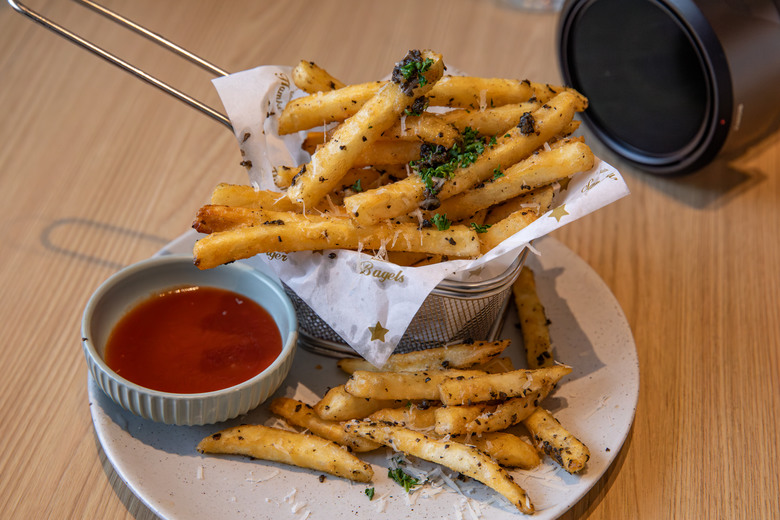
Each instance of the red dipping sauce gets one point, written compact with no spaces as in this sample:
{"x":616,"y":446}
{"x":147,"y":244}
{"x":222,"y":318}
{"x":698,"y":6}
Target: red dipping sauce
{"x":193,"y":339}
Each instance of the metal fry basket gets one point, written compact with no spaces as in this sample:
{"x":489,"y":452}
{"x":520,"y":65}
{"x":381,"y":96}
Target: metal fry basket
{"x":454,"y":311}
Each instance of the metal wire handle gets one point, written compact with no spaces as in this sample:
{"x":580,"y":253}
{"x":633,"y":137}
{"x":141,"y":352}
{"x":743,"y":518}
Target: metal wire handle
{"x":119,"y":62}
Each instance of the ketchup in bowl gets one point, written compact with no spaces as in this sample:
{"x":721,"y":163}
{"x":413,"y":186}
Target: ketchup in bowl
{"x":193,"y":339}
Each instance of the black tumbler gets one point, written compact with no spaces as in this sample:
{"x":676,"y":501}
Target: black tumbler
{"x":674,"y":83}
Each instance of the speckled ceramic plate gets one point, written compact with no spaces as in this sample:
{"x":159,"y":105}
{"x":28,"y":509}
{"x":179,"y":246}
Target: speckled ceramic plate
{"x":596,"y":402}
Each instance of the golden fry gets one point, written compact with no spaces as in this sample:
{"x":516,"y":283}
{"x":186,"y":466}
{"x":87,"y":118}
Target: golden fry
{"x":451,"y":91}
{"x":491,"y":121}
{"x":557,"y":442}
{"x":490,"y":387}
{"x":339,"y":405}
{"x":405,"y":196}
{"x":483,"y":417}
{"x":301,"y":414}
{"x":507,"y":449}
{"x":297,"y":449}
{"x":295,"y":232}
{"x":462,"y":355}
{"x":533,"y":321}
{"x":333,"y":159}
{"x":413,"y":416}
{"x":311,"y":78}
{"x":466,"y":460}
{"x":523,"y":210}
{"x":402,"y":385}
{"x":539,"y":169}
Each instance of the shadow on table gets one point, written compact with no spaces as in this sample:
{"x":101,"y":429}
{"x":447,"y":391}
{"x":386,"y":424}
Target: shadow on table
{"x":132,"y":504}
{"x":66,"y":236}
{"x":565,"y":329}
{"x":709,"y":188}
{"x":590,"y":502}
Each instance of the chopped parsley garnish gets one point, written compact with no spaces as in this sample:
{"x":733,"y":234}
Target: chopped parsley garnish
{"x":410,"y":72}
{"x":438,"y":163}
{"x":497,"y":172}
{"x":357,"y":187}
{"x":441,"y":222}
{"x":480,"y":228}
{"x":369,"y":493}
{"x":403,"y":479}
{"x":416,"y":68}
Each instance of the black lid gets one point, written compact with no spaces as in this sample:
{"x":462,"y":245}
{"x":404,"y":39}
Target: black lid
{"x":656,"y":76}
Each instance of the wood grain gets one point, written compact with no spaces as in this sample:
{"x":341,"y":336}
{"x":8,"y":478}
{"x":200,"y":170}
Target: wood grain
{"x":98,"y":170}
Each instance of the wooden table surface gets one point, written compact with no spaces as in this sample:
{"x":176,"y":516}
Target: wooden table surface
{"x":98,"y":170}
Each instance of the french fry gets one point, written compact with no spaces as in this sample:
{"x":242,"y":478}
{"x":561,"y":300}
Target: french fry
{"x":332,"y":160}
{"x":482,"y":93}
{"x":466,"y":460}
{"x":539,"y":169}
{"x":505,"y":448}
{"x":424,"y":127}
{"x":413,"y":416}
{"x":321,"y":108}
{"x":451,"y":91}
{"x":214,"y":219}
{"x":490,"y":387}
{"x":497,"y":365}
{"x":297,"y":449}
{"x":339,"y":405}
{"x":533,"y":321}
{"x":529,"y":208}
{"x":558,"y":443}
{"x":536,"y":201}
{"x":389,"y":153}
{"x":402,"y":385}
{"x":301,"y":414}
{"x":382,"y":152}
{"x":405,"y":196}
{"x":483,"y":417}
{"x":462,"y":355}
{"x":249,"y":197}
{"x":427,"y":127}
{"x":290,"y":233}
{"x":311,"y":78}
{"x":491,"y":121}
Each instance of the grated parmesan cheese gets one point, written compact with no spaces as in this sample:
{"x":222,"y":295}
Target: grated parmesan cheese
{"x":290,"y":497}
{"x":269,"y":476}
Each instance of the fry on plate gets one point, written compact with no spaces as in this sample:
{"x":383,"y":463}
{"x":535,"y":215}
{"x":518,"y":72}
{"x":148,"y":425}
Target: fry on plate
{"x":301,"y":414}
{"x":406,"y":386}
{"x":464,"y":459}
{"x":296,"y":449}
{"x":339,"y":405}
{"x":462,"y":355}
{"x":556,"y":441}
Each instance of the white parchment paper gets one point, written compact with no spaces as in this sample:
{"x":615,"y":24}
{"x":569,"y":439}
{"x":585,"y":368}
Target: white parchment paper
{"x":367,"y":301}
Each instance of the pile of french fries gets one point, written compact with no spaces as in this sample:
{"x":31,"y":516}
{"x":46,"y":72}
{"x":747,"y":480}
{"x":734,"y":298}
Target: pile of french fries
{"x":450,"y":405}
{"x":421,"y":168}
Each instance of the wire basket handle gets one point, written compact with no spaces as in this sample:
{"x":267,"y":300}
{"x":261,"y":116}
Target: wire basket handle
{"x":119,"y":62}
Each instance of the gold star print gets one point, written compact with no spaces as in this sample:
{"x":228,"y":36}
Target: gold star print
{"x":559,"y":212}
{"x":378,"y":332}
